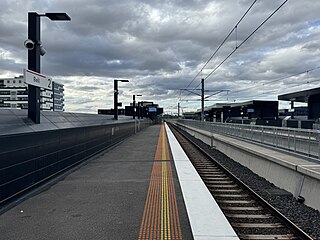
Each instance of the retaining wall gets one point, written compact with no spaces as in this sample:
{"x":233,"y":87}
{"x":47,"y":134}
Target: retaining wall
{"x":296,"y":175}
{"x":31,"y":154}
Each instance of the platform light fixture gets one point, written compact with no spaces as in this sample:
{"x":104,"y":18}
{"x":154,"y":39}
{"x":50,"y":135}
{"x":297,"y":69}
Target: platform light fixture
{"x":134,"y":105}
{"x":115,"y":96}
{"x":35,"y":50}
{"x":57,"y":16}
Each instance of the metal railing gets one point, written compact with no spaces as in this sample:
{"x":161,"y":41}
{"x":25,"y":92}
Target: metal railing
{"x":302,"y":141}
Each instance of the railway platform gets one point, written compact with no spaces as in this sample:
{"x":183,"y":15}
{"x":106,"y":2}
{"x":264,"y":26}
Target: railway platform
{"x":293,"y":172}
{"x":140,"y":189}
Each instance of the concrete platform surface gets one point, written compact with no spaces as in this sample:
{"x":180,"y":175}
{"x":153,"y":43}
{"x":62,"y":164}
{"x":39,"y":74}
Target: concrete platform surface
{"x":103,"y":199}
{"x":206,"y":218}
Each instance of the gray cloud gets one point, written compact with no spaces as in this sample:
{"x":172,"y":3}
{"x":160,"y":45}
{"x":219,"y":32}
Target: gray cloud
{"x":161,"y":45}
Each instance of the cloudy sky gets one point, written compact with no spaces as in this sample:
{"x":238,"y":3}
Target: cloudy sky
{"x":160,"y":46}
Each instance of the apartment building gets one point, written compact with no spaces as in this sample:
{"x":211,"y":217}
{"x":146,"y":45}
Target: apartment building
{"x":14,"y":94}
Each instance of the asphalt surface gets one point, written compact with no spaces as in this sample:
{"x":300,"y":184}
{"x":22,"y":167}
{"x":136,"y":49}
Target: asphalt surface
{"x":104,"y":199}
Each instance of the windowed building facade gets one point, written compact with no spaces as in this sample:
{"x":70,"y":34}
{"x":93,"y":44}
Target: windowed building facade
{"x":58,"y":97}
{"x":14,"y":94}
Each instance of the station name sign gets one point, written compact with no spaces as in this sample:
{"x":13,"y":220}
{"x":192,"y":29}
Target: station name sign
{"x":36,"y":79}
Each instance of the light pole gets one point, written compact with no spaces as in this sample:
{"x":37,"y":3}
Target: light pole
{"x":115,"y":96}
{"x":202,"y":99}
{"x":139,"y":112}
{"x":33,"y":44}
{"x":134,"y":104}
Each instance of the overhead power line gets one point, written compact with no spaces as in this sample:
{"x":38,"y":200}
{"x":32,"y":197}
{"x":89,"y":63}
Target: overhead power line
{"x":237,"y":47}
{"x":246,"y":39}
{"x":222,"y":43}
{"x":280,"y":79}
{"x":274,"y":91}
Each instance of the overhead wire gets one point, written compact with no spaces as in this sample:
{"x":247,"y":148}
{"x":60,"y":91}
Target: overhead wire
{"x":237,"y":47}
{"x":279,"y":79}
{"x":274,"y":91}
{"x":221,"y":44}
{"x":246,"y":39}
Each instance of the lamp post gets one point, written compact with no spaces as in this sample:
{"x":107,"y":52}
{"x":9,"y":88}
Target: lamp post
{"x":202,"y":100}
{"x":134,"y":104}
{"x":115,"y":96}
{"x":139,"y":112}
{"x":33,"y":44}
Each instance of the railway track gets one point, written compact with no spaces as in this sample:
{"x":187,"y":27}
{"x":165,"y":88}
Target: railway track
{"x":250,"y":215}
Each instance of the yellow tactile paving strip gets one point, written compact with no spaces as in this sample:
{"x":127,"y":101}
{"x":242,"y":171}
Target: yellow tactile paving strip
{"x":160,"y":219}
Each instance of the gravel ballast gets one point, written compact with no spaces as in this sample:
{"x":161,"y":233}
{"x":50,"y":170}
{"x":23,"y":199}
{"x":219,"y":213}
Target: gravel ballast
{"x":307,"y":218}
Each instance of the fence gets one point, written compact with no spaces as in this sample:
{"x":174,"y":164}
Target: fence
{"x":302,"y":141}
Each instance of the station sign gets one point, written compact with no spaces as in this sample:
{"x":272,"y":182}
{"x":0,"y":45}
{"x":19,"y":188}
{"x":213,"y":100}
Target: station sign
{"x":152,"y":109}
{"x":37,"y":79}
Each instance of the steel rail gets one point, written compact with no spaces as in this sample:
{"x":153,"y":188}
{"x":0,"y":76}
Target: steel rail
{"x":284,"y":220}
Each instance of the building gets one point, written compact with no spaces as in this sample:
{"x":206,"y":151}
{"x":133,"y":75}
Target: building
{"x":257,"y":111}
{"x":142,"y":109}
{"x":58,"y":96}
{"x":296,"y":111}
{"x":14,"y":94}
{"x":310,"y":96}
{"x":311,"y":117}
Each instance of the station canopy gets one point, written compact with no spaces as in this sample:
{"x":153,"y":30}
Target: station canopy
{"x":301,"y":96}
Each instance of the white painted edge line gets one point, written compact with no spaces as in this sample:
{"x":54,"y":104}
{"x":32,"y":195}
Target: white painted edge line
{"x":206,"y":218}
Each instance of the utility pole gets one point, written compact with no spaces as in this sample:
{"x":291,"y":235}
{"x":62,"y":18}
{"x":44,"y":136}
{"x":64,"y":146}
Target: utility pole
{"x":178,"y":109}
{"x":34,"y":65}
{"x":292,"y":109}
{"x":115,"y":97}
{"x":202,"y":99}
{"x":35,"y":50}
{"x":134,"y":104}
